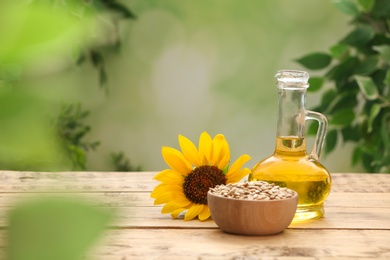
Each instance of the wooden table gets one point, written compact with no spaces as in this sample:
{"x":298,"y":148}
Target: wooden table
{"x":356,"y":222}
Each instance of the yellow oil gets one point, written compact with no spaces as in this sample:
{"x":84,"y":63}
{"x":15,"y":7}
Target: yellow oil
{"x":291,"y":167}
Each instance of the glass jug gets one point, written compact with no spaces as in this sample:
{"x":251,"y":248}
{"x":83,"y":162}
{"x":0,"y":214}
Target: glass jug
{"x":290,"y":166}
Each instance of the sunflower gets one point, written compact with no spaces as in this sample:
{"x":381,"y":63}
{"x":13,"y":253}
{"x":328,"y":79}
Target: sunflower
{"x":192,"y":172}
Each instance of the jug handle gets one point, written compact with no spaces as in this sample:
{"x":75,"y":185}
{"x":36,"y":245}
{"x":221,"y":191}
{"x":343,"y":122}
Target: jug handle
{"x":321,"y":132}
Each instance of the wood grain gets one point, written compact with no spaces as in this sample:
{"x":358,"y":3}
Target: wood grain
{"x":356,"y":223}
{"x":347,"y":217}
{"x":142,"y":199}
{"x":215,"y":244}
{"x":11,"y":181}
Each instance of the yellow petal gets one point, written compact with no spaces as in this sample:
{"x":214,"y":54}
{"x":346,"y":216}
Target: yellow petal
{"x":181,"y":199}
{"x":236,"y":166}
{"x":170,"y":207}
{"x":237,"y":176}
{"x":176,"y":160}
{"x":205,"y":148}
{"x":226,"y":158}
{"x":163,"y":187}
{"x":218,"y":142}
{"x":178,"y":199}
{"x":189,"y":150}
{"x":205,"y":214}
{"x":177,"y":212}
{"x":163,"y":198}
{"x":169,"y":177}
{"x":221,"y":152}
{"x":194,"y":211}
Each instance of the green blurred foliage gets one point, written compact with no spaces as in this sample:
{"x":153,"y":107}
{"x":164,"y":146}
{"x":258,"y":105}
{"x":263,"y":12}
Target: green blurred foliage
{"x":122,"y":164}
{"x":210,"y":60}
{"x":54,"y":228}
{"x":72,"y":131}
{"x":358,"y":102}
{"x":187,"y":66}
{"x":32,"y":34}
{"x":36,"y":31}
{"x":39,"y":37}
{"x":26,"y":138}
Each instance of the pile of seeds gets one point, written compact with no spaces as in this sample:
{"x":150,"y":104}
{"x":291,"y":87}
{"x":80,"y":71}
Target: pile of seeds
{"x":257,"y":190}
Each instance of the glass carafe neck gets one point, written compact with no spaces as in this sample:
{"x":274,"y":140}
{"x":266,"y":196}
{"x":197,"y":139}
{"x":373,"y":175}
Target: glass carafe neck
{"x":291,"y":118}
{"x":292,"y":87}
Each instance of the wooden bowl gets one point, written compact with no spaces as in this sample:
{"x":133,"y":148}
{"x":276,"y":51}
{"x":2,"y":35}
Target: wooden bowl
{"x":252,"y":217}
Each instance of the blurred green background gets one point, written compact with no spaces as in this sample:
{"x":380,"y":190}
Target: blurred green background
{"x":185,"y":67}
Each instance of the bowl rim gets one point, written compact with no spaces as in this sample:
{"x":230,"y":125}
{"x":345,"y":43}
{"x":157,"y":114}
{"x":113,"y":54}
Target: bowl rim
{"x":253,"y":201}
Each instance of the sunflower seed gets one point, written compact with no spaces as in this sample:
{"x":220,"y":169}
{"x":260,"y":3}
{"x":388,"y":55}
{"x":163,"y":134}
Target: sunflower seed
{"x":258,"y":190}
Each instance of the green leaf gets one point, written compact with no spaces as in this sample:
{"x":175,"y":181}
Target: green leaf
{"x":343,"y":70}
{"x":54,"y":228}
{"x":386,"y":81}
{"x":103,"y":78}
{"x":367,"y":66}
{"x":368,"y":87}
{"x":315,"y":61}
{"x":315,"y":84}
{"x":380,"y":39}
{"x":360,"y":36}
{"x":385,"y":168}
{"x":122,"y":164}
{"x":312,"y":129}
{"x":342,"y":117}
{"x":339,"y":51}
{"x":375,"y":109}
{"x":81,"y":59}
{"x":121,"y":9}
{"x":97,"y":59}
{"x":346,"y":6}
{"x":350,"y":133}
{"x":326,"y":98}
{"x":366,"y":4}
{"x":357,"y":156}
{"x":345,"y":99}
{"x":384,"y":51}
{"x":381,"y":9}
{"x":367,"y":161}
{"x":385,"y":133}
{"x":72,"y":130}
{"x":368,"y":149}
{"x":330,"y":141}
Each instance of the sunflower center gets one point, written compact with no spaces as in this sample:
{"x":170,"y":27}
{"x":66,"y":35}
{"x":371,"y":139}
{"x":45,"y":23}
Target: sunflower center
{"x":200,"y":180}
